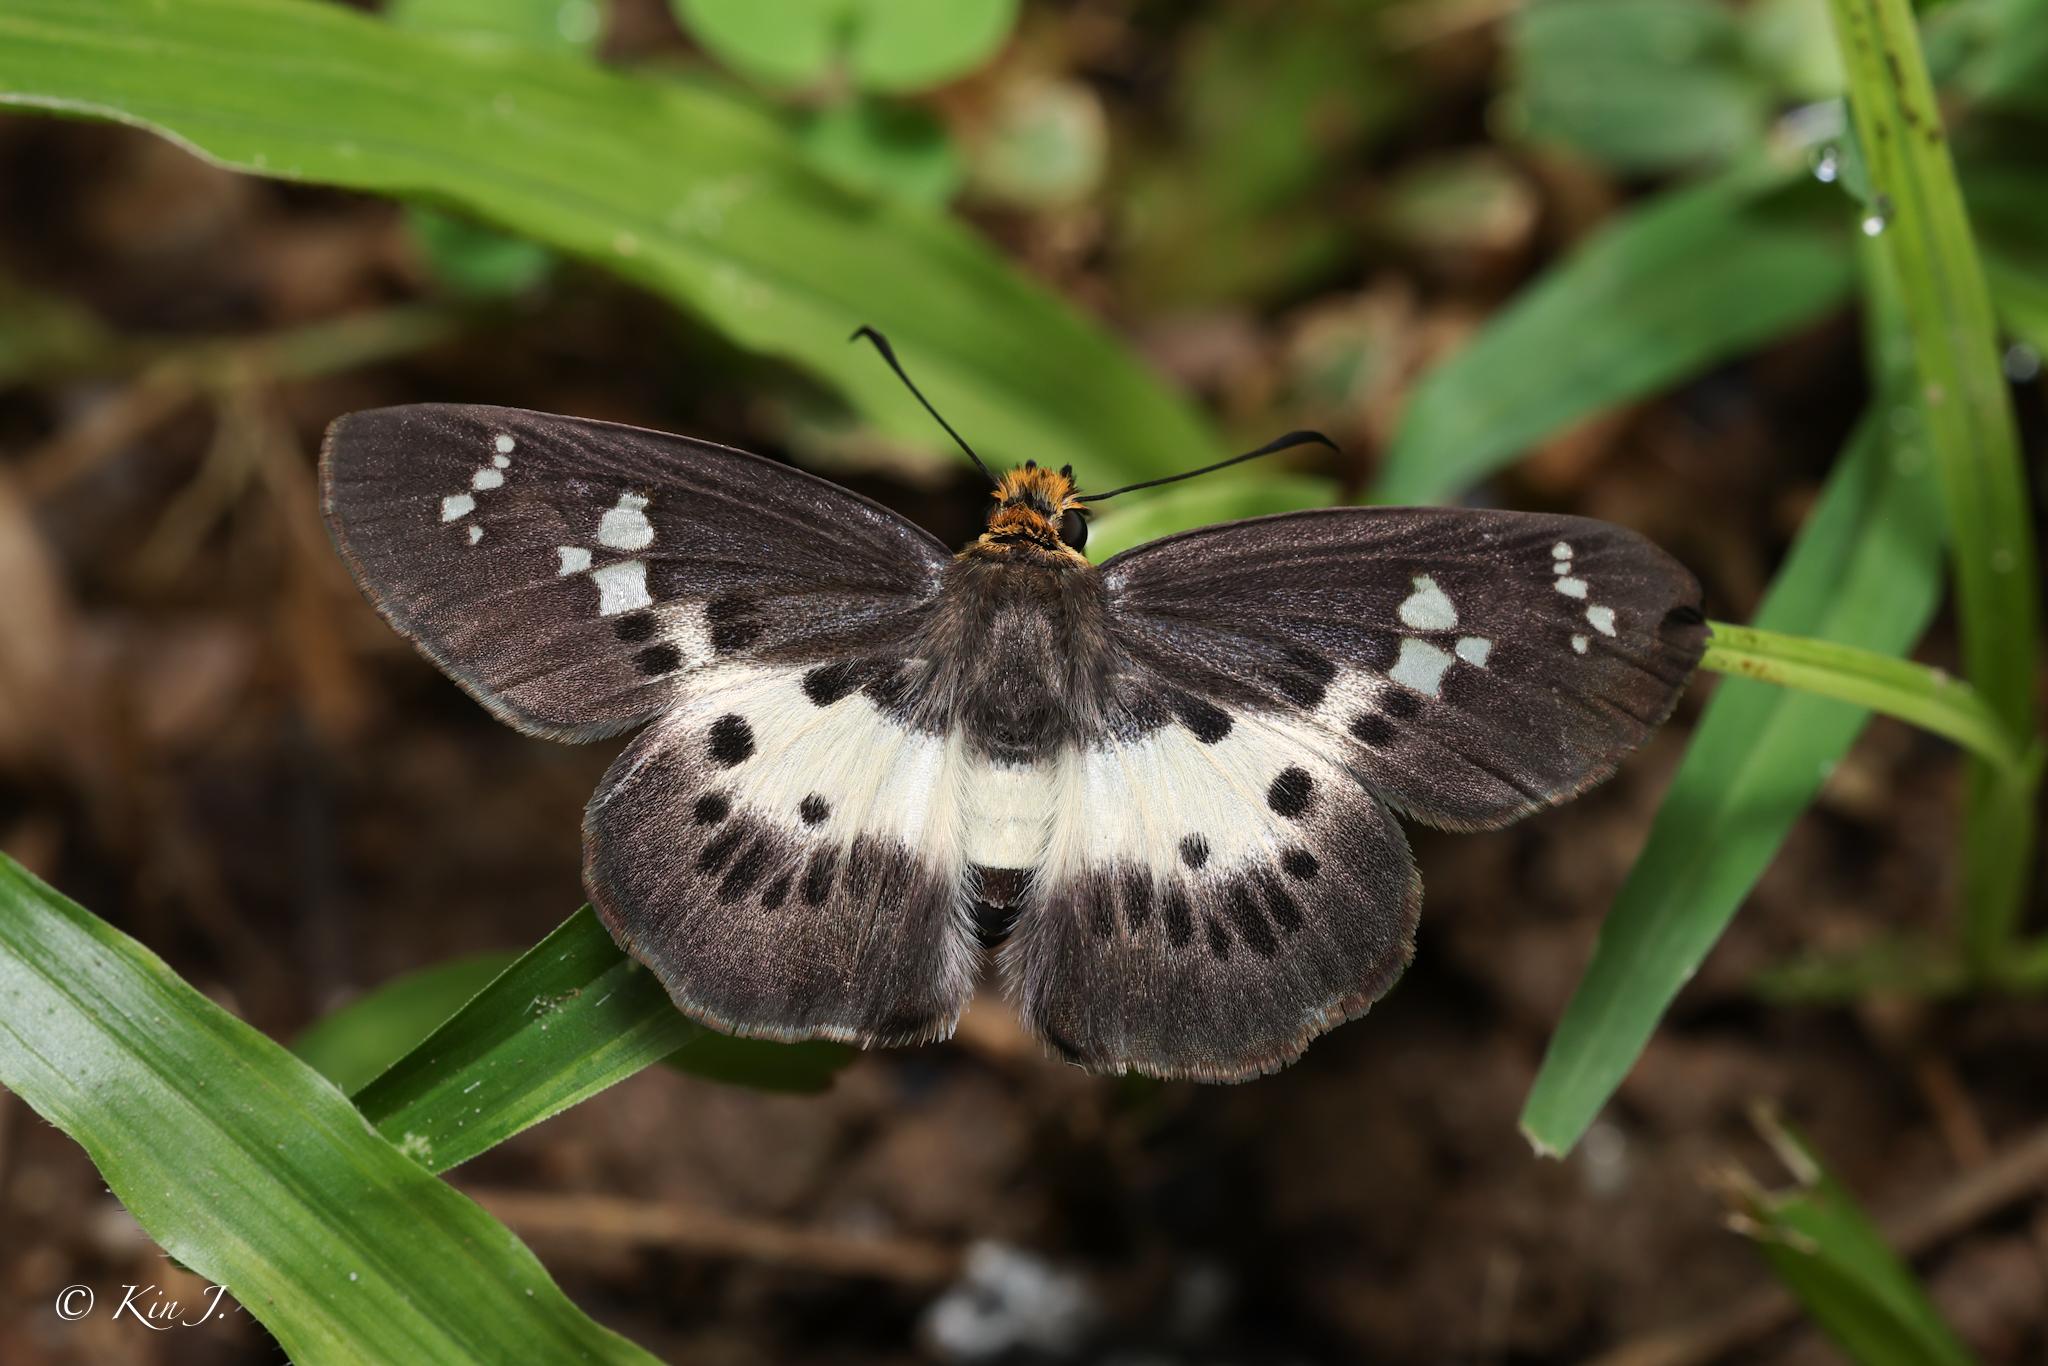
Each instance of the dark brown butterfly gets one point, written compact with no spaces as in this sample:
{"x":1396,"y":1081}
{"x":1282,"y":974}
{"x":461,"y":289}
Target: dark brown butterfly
{"x":1159,"y":789}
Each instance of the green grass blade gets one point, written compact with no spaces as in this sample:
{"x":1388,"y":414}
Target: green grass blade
{"x":571,"y":1017}
{"x":1697,"y":276}
{"x":1914,"y":693}
{"x":248,"y":1167}
{"x":689,"y":192}
{"x":1926,"y":238}
{"x":1865,"y":571}
{"x":1829,"y":1255}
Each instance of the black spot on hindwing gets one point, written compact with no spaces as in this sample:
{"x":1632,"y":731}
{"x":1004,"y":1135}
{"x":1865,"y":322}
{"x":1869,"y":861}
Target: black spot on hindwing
{"x":1291,"y":792}
{"x":1194,"y":850}
{"x":1209,"y":722}
{"x":814,"y":809}
{"x":732,"y":741}
{"x":634,"y":627}
{"x":656,"y":660}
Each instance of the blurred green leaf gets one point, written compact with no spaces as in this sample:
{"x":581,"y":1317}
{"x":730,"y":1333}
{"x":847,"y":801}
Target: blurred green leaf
{"x":1220,"y":498}
{"x":884,"y":45}
{"x":1263,"y":111}
{"x":472,"y":260}
{"x":884,"y":148}
{"x":694,"y":195}
{"x":1042,"y":144}
{"x":1924,"y":232}
{"x":1639,"y":85}
{"x":249,"y":1168}
{"x":572,"y":1016}
{"x":556,"y":25}
{"x":1829,"y":1254}
{"x":1688,"y":280}
{"x":1865,"y":570}
{"x":352,"y":1045}
{"x":477,"y":262}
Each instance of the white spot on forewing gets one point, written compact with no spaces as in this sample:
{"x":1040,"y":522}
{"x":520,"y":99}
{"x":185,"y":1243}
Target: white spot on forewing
{"x":1561,"y":550}
{"x":476,"y":533}
{"x":625,"y":526}
{"x":503,"y":443}
{"x":503,"y":462}
{"x":1579,"y":643}
{"x":1428,"y":608}
{"x":575,"y":559}
{"x":1420,"y":666}
{"x":1572,"y":588}
{"x":621,"y":587}
{"x":1474,"y":650}
{"x":487,"y":478}
{"x":1602,"y":619}
{"x":457,"y":505}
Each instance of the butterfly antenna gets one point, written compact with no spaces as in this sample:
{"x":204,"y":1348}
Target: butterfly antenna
{"x":889,"y":354}
{"x":1287,"y":442}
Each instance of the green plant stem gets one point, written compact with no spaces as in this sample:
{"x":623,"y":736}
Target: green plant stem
{"x":1914,"y":693}
{"x":1919,"y":216}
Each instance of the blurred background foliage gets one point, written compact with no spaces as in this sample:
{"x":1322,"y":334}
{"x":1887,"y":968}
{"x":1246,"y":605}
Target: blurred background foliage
{"x":1634,"y":258}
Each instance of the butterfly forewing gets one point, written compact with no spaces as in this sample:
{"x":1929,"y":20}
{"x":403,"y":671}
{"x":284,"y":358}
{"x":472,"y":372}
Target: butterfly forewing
{"x":1470,"y":666}
{"x":568,"y":573}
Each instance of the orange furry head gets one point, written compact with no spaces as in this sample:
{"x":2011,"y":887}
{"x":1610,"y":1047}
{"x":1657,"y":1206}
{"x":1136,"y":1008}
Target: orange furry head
{"x":1040,"y":507}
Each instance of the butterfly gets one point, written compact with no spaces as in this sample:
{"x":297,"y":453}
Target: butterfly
{"x":1161,"y":791}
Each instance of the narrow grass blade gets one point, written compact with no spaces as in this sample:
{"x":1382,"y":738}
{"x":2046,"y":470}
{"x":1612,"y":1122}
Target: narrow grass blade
{"x":1696,"y":276}
{"x":693,"y":193}
{"x":1917,"y":216}
{"x":248,"y":1167}
{"x":1829,"y":1255}
{"x":1866,"y":571}
{"x":1914,"y":693}
{"x":571,"y":1017}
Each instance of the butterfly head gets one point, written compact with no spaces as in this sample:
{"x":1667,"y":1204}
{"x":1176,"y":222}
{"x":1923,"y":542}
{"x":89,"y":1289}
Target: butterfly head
{"x":1038,"y":512}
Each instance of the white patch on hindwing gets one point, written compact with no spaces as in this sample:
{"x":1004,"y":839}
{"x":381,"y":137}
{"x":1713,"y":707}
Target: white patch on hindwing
{"x":860,"y":771}
{"x":1139,"y":801}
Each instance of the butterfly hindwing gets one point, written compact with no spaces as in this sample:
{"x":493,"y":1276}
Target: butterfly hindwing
{"x":568,"y":573}
{"x":1470,"y":666}
{"x":1210,"y":903}
{"x":782,"y":849}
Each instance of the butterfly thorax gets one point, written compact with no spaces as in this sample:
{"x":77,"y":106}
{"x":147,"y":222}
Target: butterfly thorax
{"x":1024,"y":638}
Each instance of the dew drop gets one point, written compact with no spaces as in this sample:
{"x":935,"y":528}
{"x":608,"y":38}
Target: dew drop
{"x":2022,"y":362}
{"x":1880,"y":216}
{"x":1827,"y":164}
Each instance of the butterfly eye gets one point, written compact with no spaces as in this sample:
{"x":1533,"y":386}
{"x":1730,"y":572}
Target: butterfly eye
{"x":1074,"y":528}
